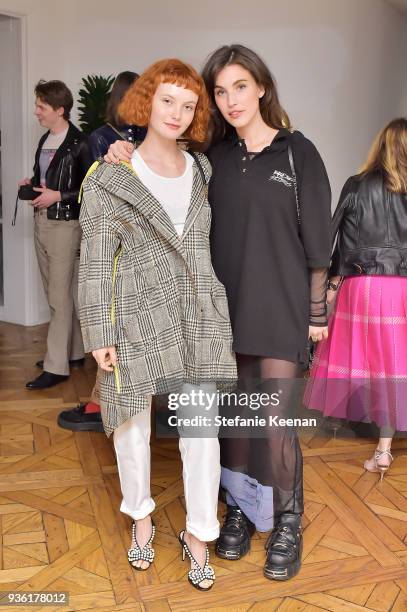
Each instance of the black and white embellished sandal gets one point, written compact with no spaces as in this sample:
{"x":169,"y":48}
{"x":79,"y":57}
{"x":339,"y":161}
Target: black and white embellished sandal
{"x":198,"y":574}
{"x":135,"y":553}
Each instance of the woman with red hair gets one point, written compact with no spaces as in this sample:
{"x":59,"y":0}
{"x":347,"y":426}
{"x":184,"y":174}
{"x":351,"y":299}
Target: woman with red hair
{"x":152,"y":310}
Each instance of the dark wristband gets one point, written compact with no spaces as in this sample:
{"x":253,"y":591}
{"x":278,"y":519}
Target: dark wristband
{"x":333,"y":286}
{"x":319,"y":323}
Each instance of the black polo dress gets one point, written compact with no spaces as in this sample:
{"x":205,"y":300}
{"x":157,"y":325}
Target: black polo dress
{"x":270,"y":263}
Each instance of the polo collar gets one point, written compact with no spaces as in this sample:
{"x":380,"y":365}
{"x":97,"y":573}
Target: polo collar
{"x":282,"y":134}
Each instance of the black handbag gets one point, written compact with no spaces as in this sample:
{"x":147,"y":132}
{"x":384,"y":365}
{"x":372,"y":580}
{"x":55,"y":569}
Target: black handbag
{"x":25,"y":192}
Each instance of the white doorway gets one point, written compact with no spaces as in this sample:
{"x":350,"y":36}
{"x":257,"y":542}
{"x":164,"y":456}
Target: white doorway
{"x":16,"y":242}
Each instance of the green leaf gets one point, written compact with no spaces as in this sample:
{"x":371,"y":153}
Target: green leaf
{"x":92,"y":100}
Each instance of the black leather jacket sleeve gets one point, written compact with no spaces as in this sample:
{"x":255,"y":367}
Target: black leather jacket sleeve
{"x":346,"y":200}
{"x":82,"y":161}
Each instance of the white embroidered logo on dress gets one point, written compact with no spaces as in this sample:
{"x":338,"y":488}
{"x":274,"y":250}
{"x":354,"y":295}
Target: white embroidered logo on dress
{"x":281,"y":177}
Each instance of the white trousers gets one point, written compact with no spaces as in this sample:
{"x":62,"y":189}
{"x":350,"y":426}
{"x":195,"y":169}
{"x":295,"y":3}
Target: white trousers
{"x":201,"y":473}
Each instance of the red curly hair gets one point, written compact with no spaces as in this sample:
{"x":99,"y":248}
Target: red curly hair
{"x":135,"y":108}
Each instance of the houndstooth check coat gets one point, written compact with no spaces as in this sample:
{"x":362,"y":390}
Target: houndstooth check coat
{"x":149,"y":292}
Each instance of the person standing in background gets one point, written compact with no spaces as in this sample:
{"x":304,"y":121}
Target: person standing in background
{"x":115,"y":128}
{"x":61,"y":162}
{"x":359,"y":373}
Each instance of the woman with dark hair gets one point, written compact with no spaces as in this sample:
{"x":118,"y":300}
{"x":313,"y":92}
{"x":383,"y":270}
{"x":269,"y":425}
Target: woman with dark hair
{"x":360,"y":372}
{"x":271,"y":245}
{"x":270,"y":200}
{"x":115,"y":127}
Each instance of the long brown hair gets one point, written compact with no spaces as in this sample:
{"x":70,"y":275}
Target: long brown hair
{"x":120,"y":86}
{"x":270,"y":108}
{"x":388,"y":155}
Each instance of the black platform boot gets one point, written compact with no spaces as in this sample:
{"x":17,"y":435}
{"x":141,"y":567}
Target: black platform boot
{"x":234,"y":538}
{"x":284,"y":548}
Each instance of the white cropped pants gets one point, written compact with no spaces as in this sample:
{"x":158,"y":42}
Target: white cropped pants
{"x":201,"y":471}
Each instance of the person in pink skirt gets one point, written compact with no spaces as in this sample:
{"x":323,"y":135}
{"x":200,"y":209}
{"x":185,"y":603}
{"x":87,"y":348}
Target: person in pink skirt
{"x":359,"y":372}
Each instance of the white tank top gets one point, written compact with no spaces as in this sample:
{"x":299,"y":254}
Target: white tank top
{"x":174,"y":194}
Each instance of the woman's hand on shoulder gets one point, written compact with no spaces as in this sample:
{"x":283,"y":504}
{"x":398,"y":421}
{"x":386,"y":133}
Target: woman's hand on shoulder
{"x":121,"y":150}
{"x":317,"y":333}
{"x":106,"y":358}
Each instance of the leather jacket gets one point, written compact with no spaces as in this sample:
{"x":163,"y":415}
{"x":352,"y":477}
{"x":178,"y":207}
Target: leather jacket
{"x":103,"y":137}
{"x":371,"y":223}
{"x":65,"y":173}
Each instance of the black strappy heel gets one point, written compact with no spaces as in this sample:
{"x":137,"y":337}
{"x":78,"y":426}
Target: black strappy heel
{"x":198,"y":574}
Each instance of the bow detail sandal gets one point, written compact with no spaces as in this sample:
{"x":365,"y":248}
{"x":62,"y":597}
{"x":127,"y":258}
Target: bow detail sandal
{"x":197,"y":574}
{"x":380,"y":462}
{"x":135,"y":553}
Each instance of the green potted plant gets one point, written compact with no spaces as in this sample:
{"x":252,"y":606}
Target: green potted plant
{"x":92,"y":100}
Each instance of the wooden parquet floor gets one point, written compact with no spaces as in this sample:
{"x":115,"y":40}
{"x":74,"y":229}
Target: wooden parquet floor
{"x":61,"y":529}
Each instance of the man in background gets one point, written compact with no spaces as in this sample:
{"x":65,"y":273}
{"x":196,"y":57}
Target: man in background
{"x":61,"y":162}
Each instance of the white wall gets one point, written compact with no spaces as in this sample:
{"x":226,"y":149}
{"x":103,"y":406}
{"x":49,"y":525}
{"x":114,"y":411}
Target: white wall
{"x":340,"y":64}
{"x":20,"y":62}
{"x":23,"y":296}
{"x":403,"y":78}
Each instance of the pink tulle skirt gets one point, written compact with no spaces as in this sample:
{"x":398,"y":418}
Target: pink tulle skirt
{"x":360,"y":372}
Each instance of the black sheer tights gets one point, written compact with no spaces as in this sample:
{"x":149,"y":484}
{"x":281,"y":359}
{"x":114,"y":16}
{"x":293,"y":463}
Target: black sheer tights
{"x":275,"y":458}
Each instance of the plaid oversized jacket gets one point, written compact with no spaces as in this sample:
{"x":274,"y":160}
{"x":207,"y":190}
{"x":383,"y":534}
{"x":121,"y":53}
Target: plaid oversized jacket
{"x":147,"y":291}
